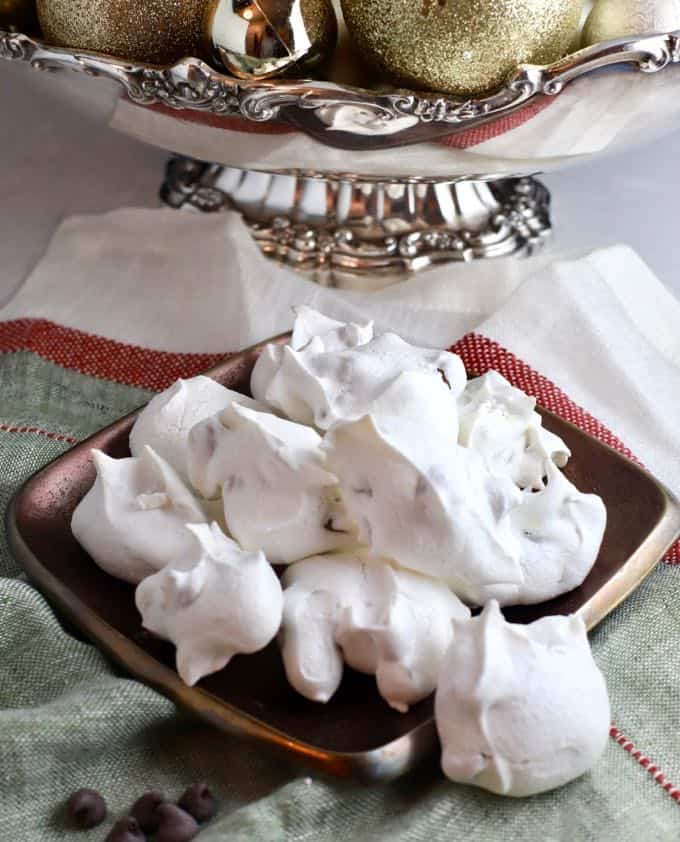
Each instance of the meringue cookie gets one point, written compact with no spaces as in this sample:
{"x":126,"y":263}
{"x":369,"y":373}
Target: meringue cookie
{"x":520,"y":709}
{"x":500,"y":422}
{"x":165,"y":421}
{"x":381,"y":620}
{"x":329,"y":335}
{"x":132,"y":520}
{"x":430,"y":505}
{"x":277,"y":494}
{"x":330,"y":381}
{"x":218,"y":602}
{"x":335,"y":336}
{"x":438,"y":509}
{"x":423,"y":396}
{"x":560,"y":530}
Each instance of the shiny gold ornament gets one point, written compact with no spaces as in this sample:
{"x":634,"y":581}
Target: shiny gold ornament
{"x":155,"y":31}
{"x":460,"y":46}
{"x":587,"y":9}
{"x":618,"y":18}
{"x":262,"y":38}
{"x":18,"y":15}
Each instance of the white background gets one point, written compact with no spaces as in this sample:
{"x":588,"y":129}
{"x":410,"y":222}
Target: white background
{"x":57,"y":162}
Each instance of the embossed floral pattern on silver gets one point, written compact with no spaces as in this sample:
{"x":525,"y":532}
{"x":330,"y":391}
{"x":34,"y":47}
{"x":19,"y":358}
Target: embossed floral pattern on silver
{"x":344,"y":117}
{"x":368,"y":236}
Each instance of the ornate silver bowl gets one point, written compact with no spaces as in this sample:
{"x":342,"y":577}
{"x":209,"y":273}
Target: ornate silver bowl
{"x":358,"y":186}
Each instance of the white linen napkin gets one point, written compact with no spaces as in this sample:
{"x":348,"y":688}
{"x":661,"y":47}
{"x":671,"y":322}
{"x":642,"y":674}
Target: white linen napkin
{"x":600,"y":327}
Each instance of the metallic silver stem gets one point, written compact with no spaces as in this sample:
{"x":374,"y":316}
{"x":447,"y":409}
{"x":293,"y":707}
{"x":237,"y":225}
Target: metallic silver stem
{"x":367,"y":235}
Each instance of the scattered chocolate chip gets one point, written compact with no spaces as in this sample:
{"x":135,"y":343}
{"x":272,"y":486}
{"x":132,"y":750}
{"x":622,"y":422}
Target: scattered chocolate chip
{"x":443,"y":376}
{"x":366,"y":489}
{"x":144,"y":810}
{"x":86,"y":808}
{"x":175,"y":824}
{"x":199,"y":802}
{"x":329,"y":526}
{"x":234,"y":483}
{"x":126,"y":830}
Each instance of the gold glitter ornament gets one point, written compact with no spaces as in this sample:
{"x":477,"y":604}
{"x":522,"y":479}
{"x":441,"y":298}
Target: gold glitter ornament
{"x":154,"y":31}
{"x":618,"y":18}
{"x":263,"y":38}
{"x":18,"y":15}
{"x":460,"y":46}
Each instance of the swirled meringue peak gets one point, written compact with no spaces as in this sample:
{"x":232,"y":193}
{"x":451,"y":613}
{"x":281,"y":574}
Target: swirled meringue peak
{"x":520,"y":709}
{"x":132,"y":520}
{"x":217,"y":602}
{"x":379,"y":619}
{"x":333,"y":335}
{"x":500,"y":422}
{"x":329,"y":336}
{"x":277,"y":493}
{"x":330,"y":380}
{"x":165,"y":422}
{"x":430,"y":505}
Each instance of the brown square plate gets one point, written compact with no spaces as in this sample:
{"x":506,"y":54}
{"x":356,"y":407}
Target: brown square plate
{"x":356,"y":733}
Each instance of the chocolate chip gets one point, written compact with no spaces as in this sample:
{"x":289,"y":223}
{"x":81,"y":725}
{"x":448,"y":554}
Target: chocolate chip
{"x":126,"y":830}
{"x":144,"y":810}
{"x":329,"y":526}
{"x":199,"y":802}
{"x":175,"y":824}
{"x":86,"y":808}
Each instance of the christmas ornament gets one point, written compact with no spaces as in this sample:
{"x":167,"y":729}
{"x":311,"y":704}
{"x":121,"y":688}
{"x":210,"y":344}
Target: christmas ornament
{"x":262,"y":38}
{"x":618,"y":18}
{"x":585,"y":11}
{"x":346,"y":65}
{"x":460,"y":46}
{"x":18,"y":15}
{"x":154,"y":31}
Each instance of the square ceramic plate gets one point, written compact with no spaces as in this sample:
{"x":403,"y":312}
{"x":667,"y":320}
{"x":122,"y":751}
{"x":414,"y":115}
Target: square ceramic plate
{"x":356,"y":733}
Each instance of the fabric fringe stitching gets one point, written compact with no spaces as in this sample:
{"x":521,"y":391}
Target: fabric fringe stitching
{"x":49,"y":434}
{"x":645,"y":762}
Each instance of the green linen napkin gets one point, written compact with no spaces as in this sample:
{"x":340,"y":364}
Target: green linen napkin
{"x":69,"y":719}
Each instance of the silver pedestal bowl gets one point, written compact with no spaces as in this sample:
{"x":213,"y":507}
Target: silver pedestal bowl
{"x":358,"y":187}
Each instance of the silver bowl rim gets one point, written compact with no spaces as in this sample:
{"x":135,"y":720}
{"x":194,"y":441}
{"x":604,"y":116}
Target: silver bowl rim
{"x":341,"y":116}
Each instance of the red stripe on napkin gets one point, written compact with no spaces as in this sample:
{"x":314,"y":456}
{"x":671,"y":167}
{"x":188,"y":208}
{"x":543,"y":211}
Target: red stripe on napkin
{"x":101,"y":357}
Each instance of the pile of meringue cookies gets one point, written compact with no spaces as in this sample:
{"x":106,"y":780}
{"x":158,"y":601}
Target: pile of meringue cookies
{"x":399,"y":495}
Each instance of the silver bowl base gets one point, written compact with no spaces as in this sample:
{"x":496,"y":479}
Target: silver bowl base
{"x":367,"y":235}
